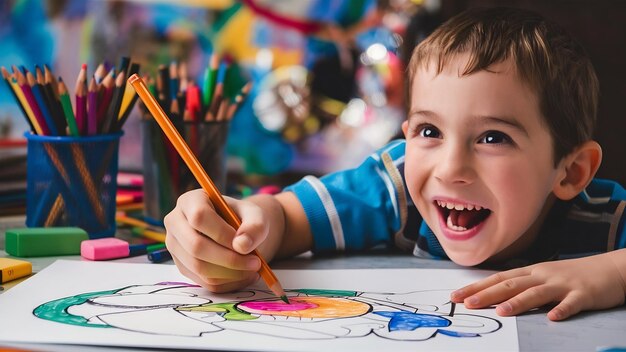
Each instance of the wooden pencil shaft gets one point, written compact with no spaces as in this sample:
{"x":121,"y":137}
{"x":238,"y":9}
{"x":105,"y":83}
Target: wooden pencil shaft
{"x":56,"y":111}
{"x":124,"y":117}
{"x":49,"y":78}
{"x":69,"y":115}
{"x":88,"y":182}
{"x":124,"y":62}
{"x":30,"y":98}
{"x":194,"y":165}
{"x":110,"y":121}
{"x":20,"y":103}
{"x":55,"y":211}
{"x":40,"y":102}
{"x":92,"y":107}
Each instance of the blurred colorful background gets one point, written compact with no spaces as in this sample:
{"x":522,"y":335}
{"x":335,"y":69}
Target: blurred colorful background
{"x":327,"y":74}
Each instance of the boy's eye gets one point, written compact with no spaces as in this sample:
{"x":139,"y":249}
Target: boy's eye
{"x":495,"y":137}
{"x":429,"y":131}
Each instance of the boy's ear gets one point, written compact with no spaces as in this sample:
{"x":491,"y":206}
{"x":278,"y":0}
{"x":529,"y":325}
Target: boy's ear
{"x":405,"y":126}
{"x":577,"y":170}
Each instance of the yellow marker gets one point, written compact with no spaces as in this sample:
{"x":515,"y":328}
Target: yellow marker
{"x":131,"y":221}
{"x":149,"y":234}
{"x":129,"y":207}
{"x":11,"y":269}
{"x":141,"y":228}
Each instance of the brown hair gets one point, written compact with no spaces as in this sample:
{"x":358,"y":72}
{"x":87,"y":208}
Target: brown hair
{"x":545,"y":56}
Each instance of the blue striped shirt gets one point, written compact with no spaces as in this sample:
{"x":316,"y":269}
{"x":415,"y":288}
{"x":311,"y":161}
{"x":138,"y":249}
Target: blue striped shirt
{"x":357,"y":209}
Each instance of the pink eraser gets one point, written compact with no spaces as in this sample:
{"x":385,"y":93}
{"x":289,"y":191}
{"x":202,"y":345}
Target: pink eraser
{"x":104,"y":248}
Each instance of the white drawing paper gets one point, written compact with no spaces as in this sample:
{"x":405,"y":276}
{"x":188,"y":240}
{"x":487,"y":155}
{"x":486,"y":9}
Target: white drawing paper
{"x":148,"y":305}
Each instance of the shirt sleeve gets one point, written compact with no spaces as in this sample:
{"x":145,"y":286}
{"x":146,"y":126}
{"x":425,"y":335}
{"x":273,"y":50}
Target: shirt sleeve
{"x":609,"y":198}
{"x":355,"y":209}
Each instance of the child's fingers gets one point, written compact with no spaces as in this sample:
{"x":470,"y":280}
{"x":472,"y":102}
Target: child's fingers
{"x":243,"y":276}
{"x":186,"y":272}
{"x":461,"y":294}
{"x":217,"y":285}
{"x":570,"y":305}
{"x":195,"y":209}
{"x":534,"y":297}
{"x":253,"y":229}
{"x":500,"y":292}
{"x":234,"y":285}
{"x":205,"y":257}
{"x":208,"y":275}
{"x":220,"y":256}
{"x":181,"y":236}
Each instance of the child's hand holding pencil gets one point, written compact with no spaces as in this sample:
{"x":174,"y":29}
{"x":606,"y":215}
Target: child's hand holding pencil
{"x":217,"y":258}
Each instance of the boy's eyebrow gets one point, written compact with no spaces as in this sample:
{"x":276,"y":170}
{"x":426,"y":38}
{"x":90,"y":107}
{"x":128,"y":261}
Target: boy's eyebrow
{"x":500,"y":120}
{"x":426,"y":113}
{"x":478,"y":119}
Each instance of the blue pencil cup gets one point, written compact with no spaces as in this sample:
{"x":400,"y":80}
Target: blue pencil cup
{"x":72,"y":181}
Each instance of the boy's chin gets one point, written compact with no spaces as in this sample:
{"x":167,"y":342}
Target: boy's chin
{"x":465,"y":258}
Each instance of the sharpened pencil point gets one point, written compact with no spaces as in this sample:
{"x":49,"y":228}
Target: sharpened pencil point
{"x":285,"y":299}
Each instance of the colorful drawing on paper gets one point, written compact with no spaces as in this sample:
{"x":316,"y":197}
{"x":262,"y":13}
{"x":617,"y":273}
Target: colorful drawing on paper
{"x":186,"y":310}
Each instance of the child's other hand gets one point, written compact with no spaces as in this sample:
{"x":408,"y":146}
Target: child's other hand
{"x":591,"y":283}
{"x":208,"y":250}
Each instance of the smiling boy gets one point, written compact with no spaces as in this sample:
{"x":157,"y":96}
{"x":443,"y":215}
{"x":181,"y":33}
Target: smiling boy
{"x":497,"y":168}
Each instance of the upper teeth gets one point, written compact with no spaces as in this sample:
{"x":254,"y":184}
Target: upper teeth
{"x":458,"y":206}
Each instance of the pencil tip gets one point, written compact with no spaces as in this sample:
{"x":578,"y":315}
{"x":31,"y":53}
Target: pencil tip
{"x":285,"y":299}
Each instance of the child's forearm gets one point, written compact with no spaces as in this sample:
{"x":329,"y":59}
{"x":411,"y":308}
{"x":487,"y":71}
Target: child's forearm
{"x":289,"y":233}
{"x":618,"y":257}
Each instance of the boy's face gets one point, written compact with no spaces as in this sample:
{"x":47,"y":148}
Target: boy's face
{"x":478,"y":160}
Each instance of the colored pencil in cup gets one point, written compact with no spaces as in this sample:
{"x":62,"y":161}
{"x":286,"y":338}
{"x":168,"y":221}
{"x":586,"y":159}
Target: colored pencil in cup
{"x":218,"y":91}
{"x":201,"y":176}
{"x":92,"y":107}
{"x":67,"y":108}
{"x":110,"y":119}
{"x":80,"y":92}
{"x":128,"y":99}
{"x":33,"y":95}
{"x":232,"y":108}
{"x":21,"y":101}
{"x":49,"y":77}
{"x":104,"y":101}
{"x":49,"y":84}
{"x":209,"y":80}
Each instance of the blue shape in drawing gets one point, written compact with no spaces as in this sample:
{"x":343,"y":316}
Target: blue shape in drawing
{"x":457,"y":333}
{"x":408,"y":321}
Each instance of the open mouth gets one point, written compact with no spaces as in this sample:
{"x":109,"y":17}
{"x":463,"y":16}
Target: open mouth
{"x":462,"y":217}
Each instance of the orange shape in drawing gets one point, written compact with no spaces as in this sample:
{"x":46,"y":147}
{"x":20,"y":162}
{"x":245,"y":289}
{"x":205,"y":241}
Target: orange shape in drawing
{"x":312,"y":307}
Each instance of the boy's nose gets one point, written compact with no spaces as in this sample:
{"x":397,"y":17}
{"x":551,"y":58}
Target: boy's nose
{"x":455,"y":166}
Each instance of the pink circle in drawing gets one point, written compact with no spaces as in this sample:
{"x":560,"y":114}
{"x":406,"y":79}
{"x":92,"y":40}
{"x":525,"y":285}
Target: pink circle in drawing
{"x":307,"y":307}
{"x":277,"y":305}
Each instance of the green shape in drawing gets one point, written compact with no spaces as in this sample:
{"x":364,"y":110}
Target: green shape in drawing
{"x":57,"y":310}
{"x":229,"y":309}
{"x":325,"y":293}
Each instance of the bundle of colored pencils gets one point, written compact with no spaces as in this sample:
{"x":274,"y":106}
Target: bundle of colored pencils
{"x":184,"y":100}
{"x":200,"y":112}
{"x":100,"y":107}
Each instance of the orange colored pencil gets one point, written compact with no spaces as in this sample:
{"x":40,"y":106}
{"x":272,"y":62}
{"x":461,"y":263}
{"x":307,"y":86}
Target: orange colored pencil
{"x":201,"y":176}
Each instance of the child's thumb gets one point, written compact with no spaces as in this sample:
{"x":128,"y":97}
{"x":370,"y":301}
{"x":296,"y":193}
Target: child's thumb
{"x":244,"y":243}
{"x":253,"y":228}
